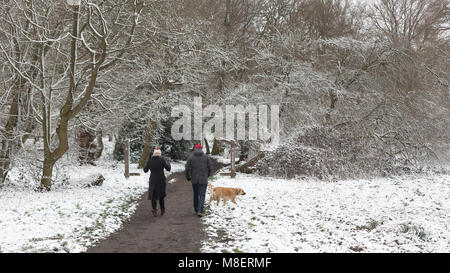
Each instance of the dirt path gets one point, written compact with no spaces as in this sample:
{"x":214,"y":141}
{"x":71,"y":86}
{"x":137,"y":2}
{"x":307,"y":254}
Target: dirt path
{"x":179,"y":230}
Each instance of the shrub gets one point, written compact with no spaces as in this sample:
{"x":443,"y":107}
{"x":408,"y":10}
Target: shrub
{"x":327,"y":152}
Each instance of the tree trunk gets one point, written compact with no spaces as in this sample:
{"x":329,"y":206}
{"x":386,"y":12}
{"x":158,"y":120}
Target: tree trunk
{"x":47,"y":173}
{"x":243,"y":151}
{"x":127,"y":157}
{"x":5,"y":160}
{"x":207,"y":147}
{"x":7,"y":142}
{"x":50,"y":158}
{"x":333,"y":101}
{"x":233,"y":160}
{"x":217,"y":147}
{"x":100,"y":146}
{"x":248,"y":167}
{"x":87,"y":149}
{"x":147,"y":144}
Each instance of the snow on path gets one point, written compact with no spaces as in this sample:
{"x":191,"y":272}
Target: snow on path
{"x":405,"y":214}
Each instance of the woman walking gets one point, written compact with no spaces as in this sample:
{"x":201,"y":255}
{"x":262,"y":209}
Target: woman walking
{"x":157,"y":183}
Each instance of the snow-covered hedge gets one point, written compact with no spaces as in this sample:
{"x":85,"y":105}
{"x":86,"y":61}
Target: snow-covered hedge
{"x":326,"y":152}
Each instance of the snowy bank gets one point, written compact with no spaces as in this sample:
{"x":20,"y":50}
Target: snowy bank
{"x":404,"y":214}
{"x":71,"y":217}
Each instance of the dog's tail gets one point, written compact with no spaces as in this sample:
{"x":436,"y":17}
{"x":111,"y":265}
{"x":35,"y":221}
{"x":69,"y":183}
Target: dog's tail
{"x":210,"y":186}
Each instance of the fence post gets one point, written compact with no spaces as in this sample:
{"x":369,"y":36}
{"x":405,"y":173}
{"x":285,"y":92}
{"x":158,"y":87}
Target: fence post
{"x":126,"y":143}
{"x":233,"y":160}
{"x":233,"y":144}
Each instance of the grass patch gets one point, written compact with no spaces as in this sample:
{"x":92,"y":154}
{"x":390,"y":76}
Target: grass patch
{"x":373,"y":224}
{"x":237,"y":250}
{"x":414,"y":229}
{"x":212,"y":178}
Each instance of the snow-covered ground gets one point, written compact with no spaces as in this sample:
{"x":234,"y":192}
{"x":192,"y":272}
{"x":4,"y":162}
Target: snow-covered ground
{"x":222,"y":159}
{"x":71,"y":217}
{"x":405,"y":214}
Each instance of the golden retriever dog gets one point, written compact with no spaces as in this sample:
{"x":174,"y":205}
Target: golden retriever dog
{"x":224,"y":193}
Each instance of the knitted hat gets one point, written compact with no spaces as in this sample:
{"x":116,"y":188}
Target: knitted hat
{"x":157,"y":151}
{"x":198,"y":146}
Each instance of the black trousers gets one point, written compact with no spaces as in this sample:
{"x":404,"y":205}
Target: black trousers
{"x":161,"y":203}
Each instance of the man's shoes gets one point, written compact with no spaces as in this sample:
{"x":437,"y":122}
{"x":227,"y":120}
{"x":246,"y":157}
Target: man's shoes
{"x":199,"y":214}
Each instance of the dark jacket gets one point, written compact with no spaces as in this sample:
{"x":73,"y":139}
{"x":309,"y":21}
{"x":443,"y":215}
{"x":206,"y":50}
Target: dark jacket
{"x":157,"y":181}
{"x":198,"y":167}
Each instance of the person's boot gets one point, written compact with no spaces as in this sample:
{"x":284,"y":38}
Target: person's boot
{"x":155,"y":212}
{"x":163,"y":210}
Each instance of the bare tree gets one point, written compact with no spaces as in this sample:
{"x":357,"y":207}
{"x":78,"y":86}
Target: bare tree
{"x":410,"y":23}
{"x":19,"y":122}
{"x":329,"y":18}
{"x":69,"y":62}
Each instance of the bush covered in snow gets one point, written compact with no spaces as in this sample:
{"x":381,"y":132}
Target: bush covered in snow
{"x":330,"y":152}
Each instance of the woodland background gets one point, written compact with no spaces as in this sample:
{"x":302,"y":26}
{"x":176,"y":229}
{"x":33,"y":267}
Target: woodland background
{"x":363,"y":87}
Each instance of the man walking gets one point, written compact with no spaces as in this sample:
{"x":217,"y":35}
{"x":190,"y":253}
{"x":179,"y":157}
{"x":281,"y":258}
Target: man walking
{"x":198,"y":169}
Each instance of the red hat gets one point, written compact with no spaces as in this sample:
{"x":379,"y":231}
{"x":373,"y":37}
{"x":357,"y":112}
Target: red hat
{"x":198,"y":146}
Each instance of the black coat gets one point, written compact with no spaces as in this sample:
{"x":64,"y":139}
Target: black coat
{"x":157,"y":181}
{"x":198,"y":167}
